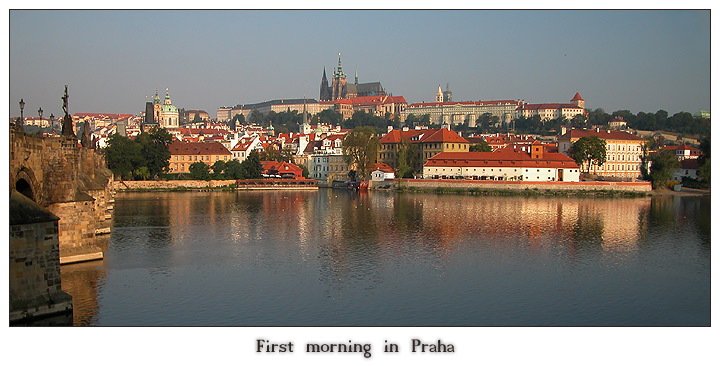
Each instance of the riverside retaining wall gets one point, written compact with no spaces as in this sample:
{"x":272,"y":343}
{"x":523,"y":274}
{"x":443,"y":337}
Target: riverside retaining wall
{"x":210,"y":184}
{"x":503,"y":185}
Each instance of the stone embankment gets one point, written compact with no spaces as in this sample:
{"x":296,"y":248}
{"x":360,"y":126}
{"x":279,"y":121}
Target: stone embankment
{"x":487,"y":185}
{"x":179,"y":185}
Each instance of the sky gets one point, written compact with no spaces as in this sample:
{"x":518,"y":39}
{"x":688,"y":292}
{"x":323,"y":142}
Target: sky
{"x":113,"y":61}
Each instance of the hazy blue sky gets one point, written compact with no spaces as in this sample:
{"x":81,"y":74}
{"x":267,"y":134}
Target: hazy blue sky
{"x":112,"y":60}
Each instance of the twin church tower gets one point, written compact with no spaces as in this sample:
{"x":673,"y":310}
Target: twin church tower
{"x":340,"y":89}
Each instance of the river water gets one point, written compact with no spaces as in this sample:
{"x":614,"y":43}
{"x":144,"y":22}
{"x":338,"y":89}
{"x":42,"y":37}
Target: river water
{"x":333,"y":257}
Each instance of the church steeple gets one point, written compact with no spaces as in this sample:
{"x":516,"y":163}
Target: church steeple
{"x":324,"y":87}
{"x":439,"y":95}
{"x":356,"y":78}
{"x":305,"y":124}
{"x":339,"y":73}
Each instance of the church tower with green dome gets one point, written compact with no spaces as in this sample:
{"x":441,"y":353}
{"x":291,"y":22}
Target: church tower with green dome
{"x":166,"y":114}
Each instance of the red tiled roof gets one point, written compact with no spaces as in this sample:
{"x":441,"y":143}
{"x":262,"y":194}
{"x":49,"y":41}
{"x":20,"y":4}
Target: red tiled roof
{"x":502,"y":158}
{"x":281,"y":167}
{"x":204,"y":131}
{"x":683,"y":147}
{"x":99,"y":115}
{"x":428,"y":135}
{"x":395,"y":136}
{"x":197,"y":148}
{"x":603,"y":134}
{"x":443,"y":135}
{"x":377,"y":100}
{"x":383,"y":168}
{"x":577,"y":97}
{"x":242,"y":145}
{"x":549,"y":106}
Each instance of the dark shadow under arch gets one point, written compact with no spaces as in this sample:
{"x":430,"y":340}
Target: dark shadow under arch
{"x":25,"y":188}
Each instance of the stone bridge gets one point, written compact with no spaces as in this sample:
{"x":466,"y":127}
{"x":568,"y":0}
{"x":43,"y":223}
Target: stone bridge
{"x":71,"y":182}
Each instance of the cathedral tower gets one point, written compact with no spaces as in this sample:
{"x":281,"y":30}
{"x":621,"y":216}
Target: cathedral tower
{"x":157,"y":108}
{"x":324,"y":88}
{"x":339,"y":81}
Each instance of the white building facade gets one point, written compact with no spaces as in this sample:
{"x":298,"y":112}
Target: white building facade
{"x":502,"y":166}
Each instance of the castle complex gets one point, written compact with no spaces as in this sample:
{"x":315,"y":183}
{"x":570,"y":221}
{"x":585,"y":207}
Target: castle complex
{"x":340,"y":89}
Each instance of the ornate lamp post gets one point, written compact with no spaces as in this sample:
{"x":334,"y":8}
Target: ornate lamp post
{"x":22,"y":118}
{"x":40,"y":111}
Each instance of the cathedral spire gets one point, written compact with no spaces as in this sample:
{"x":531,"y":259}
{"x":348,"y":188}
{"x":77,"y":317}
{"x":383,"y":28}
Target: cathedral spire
{"x":339,"y":68}
{"x":356,"y":78}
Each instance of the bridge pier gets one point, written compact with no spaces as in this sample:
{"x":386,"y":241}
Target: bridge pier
{"x":70,"y":182}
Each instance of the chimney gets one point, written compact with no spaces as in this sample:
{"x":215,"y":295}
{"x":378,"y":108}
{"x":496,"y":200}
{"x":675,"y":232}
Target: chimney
{"x":563,"y":130}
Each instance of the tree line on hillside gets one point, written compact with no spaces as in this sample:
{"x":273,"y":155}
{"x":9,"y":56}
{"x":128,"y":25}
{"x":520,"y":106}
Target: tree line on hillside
{"x":291,"y":121}
{"x":681,"y":122}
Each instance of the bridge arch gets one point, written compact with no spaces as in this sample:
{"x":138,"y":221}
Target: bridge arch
{"x":28,"y":185}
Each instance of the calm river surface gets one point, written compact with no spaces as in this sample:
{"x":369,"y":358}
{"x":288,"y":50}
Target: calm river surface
{"x":332,"y":257}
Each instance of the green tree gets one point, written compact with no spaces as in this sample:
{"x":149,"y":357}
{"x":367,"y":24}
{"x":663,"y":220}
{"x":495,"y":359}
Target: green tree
{"x":218,"y":167}
{"x":579,"y":120}
{"x":663,"y":166}
{"x":328,"y":116}
{"x":239,"y":119}
{"x":275,"y":153}
{"x":199,"y":170}
{"x":360,"y":147}
{"x":233,"y":170}
{"x":589,"y":150}
{"x":256,"y":117}
{"x":406,"y":159}
{"x":123,"y":156}
{"x":645,"y":157}
{"x":155,"y":150}
{"x":411,"y":120}
{"x":483,"y":146}
{"x":142,"y":172}
{"x":305,"y":171}
{"x":704,"y":171}
{"x":251,"y":168}
{"x":197,"y":118}
{"x":704,"y":149}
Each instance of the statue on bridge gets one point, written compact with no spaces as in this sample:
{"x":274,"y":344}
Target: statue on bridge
{"x":67,"y":124}
{"x":85,"y":140}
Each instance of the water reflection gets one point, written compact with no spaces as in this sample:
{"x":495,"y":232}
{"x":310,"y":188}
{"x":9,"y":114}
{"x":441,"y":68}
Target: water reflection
{"x":82,"y":281}
{"x":334,"y":257}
